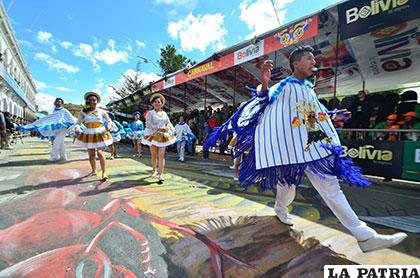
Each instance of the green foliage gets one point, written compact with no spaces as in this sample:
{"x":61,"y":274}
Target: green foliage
{"x":171,"y":62}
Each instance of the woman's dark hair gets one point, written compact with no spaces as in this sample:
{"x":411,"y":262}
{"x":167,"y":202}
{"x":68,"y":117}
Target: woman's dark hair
{"x":86,"y":107}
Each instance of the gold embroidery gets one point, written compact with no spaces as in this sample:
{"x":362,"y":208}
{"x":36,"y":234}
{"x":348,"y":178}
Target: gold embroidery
{"x":310,"y":120}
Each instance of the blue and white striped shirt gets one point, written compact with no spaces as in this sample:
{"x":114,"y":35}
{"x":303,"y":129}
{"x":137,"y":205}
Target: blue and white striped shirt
{"x":277,"y":142}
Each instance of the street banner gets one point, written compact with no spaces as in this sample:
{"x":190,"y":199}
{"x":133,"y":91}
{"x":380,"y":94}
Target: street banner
{"x":358,"y":17}
{"x":249,"y":52}
{"x":292,"y":34}
{"x":379,"y":158}
{"x":411,"y":166}
{"x":11,"y":82}
{"x":170,"y":82}
{"x":158,"y":86}
{"x":203,"y":69}
{"x":389,"y":57}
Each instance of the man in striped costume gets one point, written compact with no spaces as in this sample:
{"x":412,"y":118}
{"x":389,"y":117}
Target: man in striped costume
{"x":288,"y":133}
{"x":283,"y":137}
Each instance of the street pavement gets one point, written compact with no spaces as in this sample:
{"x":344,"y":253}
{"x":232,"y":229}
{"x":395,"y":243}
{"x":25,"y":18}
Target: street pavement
{"x":197,"y":223}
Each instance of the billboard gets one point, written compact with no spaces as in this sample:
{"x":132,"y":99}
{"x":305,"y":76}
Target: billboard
{"x":379,"y":158}
{"x":249,"y":52}
{"x":358,"y":17}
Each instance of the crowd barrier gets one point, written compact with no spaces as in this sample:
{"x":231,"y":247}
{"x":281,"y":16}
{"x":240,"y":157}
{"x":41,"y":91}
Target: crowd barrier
{"x":389,"y":159}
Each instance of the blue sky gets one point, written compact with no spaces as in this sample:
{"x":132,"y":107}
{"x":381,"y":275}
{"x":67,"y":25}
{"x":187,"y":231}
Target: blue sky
{"x":74,"y":46}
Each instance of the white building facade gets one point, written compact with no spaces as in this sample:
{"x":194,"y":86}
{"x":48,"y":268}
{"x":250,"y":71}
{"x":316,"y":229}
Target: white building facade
{"x":17,"y":88}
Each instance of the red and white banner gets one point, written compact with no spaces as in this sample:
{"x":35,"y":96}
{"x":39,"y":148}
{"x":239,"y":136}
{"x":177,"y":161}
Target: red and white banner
{"x":156,"y":87}
{"x":295,"y":33}
{"x":206,"y":68}
{"x":249,"y":52}
{"x":170,"y":82}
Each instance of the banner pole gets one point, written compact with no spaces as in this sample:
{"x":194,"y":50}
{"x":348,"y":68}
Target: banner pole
{"x":336,"y":64}
{"x":170,"y":96}
{"x":205,"y":93}
{"x":234,"y":89}
{"x":185,"y":97}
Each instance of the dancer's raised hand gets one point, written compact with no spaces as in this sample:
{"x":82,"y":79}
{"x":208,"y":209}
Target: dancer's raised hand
{"x":266,"y":69}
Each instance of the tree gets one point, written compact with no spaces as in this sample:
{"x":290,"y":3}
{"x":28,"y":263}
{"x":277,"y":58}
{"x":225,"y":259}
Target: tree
{"x":131,"y":84}
{"x":171,"y":62}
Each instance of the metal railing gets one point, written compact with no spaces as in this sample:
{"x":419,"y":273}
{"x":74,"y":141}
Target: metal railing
{"x":366,"y":133}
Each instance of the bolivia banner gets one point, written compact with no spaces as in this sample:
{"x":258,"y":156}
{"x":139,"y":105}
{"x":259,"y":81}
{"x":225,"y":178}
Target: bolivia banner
{"x":362,"y":16}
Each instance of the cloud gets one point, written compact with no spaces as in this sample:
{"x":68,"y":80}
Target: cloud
{"x":44,"y":37}
{"x":140,"y":44}
{"x":63,"y":89}
{"x":260,"y":17}
{"x":54,"y":49}
{"x":110,"y":94}
{"x":108,"y":56}
{"x":40,"y":85}
{"x":44,"y":102}
{"x":111,"y":56}
{"x":146,"y":77}
{"x":55,"y":63}
{"x":66,"y":44}
{"x":85,"y":51}
{"x":199,"y":32}
{"x":25,"y":43}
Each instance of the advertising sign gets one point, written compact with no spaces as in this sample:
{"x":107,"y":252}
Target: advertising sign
{"x":156,"y":87}
{"x":170,"y":82}
{"x":358,"y":17}
{"x":12,"y":83}
{"x":411,"y":166}
{"x":379,"y":158}
{"x":389,"y":55}
{"x":249,"y":52}
{"x":206,"y":68}
{"x":298,"y":32}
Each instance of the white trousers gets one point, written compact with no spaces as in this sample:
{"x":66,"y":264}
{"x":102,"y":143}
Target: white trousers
{"x":329,"y":189}
{"x":58,"y":148}
{"x":181,"y":149}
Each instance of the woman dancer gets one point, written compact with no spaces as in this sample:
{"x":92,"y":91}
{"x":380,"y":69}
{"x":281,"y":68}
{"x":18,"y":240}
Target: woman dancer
{"x":136,"y":134}
{"x":116,"y":136}
{"x":159,"y":134}
{"x":96,"y":136}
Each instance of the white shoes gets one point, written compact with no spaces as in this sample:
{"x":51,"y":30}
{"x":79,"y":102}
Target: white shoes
{"x":381,"y":241}
{"x":232,"y":167}
{"x":285,"y":218}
